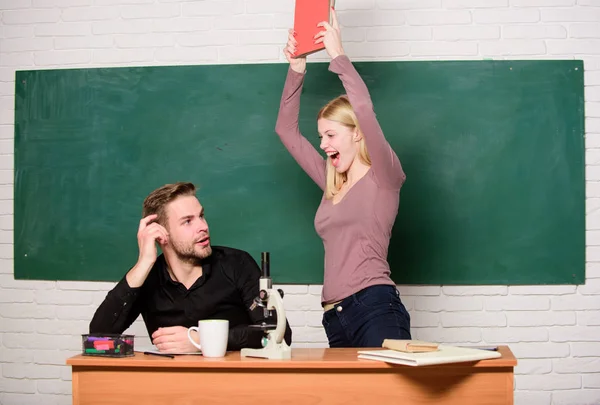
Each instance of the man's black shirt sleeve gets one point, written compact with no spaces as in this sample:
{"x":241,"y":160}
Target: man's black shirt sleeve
{"x":118,"y":311}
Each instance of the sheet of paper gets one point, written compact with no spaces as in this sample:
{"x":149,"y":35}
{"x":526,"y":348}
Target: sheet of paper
{"x":154,"y":351}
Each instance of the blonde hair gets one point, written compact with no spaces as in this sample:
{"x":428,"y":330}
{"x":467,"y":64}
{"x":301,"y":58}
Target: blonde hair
{"x":340,"y":110}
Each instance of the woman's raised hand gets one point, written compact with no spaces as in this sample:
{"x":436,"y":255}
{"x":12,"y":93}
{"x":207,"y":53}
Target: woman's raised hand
{"x":297,"y":64}
{"x":330,"y":36}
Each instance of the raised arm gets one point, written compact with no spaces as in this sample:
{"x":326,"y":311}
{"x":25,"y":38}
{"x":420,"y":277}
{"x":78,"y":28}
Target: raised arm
{"x":121,"y":306}
{"x":287,"y":120}
{"x":384,"y":162}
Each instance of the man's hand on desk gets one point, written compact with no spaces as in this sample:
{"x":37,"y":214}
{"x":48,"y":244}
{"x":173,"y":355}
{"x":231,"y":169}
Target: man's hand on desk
{"x":174,"y":339}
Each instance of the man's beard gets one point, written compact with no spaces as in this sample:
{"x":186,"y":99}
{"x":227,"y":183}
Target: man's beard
{"x":186,"y":253}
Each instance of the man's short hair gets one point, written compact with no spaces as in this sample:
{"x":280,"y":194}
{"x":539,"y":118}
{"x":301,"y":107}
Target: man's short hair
{"x":157,"y":200}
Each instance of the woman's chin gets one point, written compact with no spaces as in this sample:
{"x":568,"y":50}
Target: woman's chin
{"x":340,"y":169}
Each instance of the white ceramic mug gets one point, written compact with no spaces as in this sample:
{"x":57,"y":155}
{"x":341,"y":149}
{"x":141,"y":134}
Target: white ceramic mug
{"x":214,"y":334}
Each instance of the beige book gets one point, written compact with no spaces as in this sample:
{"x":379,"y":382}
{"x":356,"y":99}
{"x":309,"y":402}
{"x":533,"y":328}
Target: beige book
{"x":409,"y":346}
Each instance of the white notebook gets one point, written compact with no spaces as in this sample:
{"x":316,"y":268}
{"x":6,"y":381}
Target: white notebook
{"x":445,"y":354}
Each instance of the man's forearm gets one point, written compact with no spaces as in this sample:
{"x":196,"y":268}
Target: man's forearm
{"x":241,"y":337}
{"x":138,"y":274}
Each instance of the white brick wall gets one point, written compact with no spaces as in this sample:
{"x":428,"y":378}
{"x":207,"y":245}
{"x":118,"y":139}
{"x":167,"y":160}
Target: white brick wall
{"x":553,"y":330}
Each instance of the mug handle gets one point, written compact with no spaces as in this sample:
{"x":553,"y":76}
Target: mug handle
{"x":190,"y":329}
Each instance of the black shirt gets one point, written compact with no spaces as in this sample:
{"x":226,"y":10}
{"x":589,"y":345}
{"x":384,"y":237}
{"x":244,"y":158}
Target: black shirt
{"x":226,"y":290}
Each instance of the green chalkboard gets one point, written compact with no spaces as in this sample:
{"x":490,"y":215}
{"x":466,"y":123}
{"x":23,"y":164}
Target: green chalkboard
{"x":493,"y":151}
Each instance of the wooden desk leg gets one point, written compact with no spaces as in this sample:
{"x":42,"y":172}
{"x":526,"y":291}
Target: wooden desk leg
{"x":75,"y":386}
{"x":510,"y":388}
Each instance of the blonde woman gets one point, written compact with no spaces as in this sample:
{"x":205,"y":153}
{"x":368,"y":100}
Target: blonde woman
{"x":361,"y":179}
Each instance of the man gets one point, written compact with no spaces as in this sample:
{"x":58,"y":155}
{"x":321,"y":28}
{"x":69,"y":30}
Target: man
{"x":190,"y":281}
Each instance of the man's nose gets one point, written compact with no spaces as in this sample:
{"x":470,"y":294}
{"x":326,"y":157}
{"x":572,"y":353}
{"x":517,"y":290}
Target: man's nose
{"x":203,"y":226}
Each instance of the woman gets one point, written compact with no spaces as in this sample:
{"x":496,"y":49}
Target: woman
{"x":361,"y":179}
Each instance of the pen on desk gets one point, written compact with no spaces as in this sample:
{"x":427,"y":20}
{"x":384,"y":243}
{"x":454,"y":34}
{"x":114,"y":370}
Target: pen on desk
{"x":160,"y":354}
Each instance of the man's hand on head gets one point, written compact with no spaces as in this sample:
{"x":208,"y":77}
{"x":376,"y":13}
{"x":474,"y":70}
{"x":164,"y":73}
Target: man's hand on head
{"x":149,"y":232}
{"x":174,"y":339}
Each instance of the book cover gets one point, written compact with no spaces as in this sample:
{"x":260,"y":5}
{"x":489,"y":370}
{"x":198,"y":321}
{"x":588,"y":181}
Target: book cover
{"x":411,"y":346}
{"x":307,"y":14}
{"x":444,"y":354}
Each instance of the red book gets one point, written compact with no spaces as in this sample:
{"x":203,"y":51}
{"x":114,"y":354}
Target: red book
{"x":307,"y":14}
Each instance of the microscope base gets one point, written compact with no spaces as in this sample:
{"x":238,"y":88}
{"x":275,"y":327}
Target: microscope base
{"x":273,"y":351}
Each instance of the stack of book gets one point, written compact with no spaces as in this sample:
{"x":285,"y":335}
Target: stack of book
{"x":419,"y":353}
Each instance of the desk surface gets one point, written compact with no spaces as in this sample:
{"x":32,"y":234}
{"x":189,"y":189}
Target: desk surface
{"x":339,"y":358}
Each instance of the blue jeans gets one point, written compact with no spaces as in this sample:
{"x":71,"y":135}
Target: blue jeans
{"x":366,"y":318}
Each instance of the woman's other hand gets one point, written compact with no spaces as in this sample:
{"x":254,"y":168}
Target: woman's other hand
{"x":297,"y":64}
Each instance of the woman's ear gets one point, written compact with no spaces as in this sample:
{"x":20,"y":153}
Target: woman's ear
{"x":356,"y":135}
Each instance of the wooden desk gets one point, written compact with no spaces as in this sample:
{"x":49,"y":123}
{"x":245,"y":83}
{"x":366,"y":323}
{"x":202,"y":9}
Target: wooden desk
{"x":312,"y":376}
